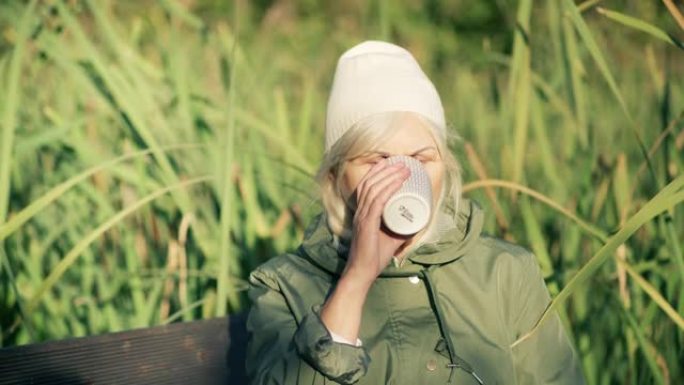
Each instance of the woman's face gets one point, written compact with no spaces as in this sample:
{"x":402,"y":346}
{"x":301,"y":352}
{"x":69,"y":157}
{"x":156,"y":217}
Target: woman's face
{"x":411,"y":138}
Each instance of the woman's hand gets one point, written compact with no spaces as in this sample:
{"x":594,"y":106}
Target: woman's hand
{"x":371,"y":250}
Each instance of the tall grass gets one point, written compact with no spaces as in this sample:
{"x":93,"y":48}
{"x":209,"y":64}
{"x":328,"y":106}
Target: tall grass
{"x":153,"y":154}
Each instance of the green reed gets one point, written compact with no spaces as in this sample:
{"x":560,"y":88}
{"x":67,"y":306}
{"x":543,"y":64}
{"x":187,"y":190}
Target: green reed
{"x":152,"y":155}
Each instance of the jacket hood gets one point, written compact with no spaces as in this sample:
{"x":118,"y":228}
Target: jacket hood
{"x":454,"y":233}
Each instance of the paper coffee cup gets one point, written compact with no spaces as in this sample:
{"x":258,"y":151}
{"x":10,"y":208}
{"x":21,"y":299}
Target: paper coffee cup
{"x":408,"y":210}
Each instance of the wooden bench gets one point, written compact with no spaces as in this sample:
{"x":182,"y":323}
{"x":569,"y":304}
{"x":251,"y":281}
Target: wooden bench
{"x":200,"y":352}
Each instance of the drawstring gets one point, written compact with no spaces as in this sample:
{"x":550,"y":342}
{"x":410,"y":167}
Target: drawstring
{"x":456,"y":361}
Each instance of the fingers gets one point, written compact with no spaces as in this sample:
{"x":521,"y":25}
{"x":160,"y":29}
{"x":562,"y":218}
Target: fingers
{"x":373,"y":181}
{"x":372,"y":249}
{"x":377,"y":187}
{"x":377,"y":205}
{"x":378,"y":172}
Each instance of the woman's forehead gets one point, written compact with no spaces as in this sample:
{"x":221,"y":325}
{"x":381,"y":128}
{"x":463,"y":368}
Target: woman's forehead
{"x":408,"y":133}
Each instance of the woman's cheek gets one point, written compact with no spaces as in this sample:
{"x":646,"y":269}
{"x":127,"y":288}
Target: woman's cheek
{"x":352,"y":178}
{"x":436,"y":173}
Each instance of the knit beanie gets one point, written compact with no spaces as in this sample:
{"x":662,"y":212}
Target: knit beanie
{"x":375,"y":77}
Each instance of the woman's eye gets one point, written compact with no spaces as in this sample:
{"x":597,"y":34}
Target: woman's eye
{"x":377,"y":158}
{"x":425,"y":157}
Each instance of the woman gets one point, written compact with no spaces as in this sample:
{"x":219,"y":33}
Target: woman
{"x":357,"y":303}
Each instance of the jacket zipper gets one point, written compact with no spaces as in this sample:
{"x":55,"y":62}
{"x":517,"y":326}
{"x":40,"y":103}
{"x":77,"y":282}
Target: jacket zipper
{"x":456,"y":361}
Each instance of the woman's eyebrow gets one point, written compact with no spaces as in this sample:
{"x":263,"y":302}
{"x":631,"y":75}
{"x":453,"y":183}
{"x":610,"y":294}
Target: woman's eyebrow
{"x":376,"y":152}
{"x":387,"y":153}
{"x":426,"y":148}
{"x":370,"y":154}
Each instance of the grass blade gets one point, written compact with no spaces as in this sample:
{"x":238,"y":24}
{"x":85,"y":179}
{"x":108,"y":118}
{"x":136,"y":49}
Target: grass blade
{"x":596,"y":54}
{"x":661,"y":202}
{"x":53,"y":194}
{"x":73,"y":254}
{"x":574,"y":71}
{"x":8,"y":124}
{"x":590,"y":229}
{"x":11,"y":101}
{"x":521,"y":85}
{"x":536,"y":237}
{"x":654,"y":294}
{"x":640,"y":25}
{"x":225,"y":292}
{"x":644,"y":345}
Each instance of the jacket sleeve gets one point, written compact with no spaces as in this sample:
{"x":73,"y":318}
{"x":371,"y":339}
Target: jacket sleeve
{"x":282,"y":350}
{"x":546,"y":356}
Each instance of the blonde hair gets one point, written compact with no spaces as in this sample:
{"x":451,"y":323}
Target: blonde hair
{"x":365,"y":136}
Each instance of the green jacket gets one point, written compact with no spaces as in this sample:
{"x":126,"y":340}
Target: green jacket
{"x":450,"y":313}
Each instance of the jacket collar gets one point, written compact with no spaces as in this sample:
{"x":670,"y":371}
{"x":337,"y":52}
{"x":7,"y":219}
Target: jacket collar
{"x":455,"y":232}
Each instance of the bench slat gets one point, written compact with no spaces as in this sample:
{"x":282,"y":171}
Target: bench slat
{"x":199,"y":352}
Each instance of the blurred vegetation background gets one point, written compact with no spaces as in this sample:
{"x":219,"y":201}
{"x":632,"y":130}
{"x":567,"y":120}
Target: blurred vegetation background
{"x":153,"y":152}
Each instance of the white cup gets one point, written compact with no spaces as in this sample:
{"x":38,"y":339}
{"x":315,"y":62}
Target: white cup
{"x":408,"y":210}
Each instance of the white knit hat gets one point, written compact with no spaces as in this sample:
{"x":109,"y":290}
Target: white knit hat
{"x":374,"y":77}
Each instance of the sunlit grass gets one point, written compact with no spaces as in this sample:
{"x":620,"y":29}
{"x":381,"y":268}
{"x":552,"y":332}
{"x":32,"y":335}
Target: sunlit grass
{"x":150,"y":161}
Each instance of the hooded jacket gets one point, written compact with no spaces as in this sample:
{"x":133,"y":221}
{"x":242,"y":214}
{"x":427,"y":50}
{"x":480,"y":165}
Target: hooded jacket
{"x":449,"y":314}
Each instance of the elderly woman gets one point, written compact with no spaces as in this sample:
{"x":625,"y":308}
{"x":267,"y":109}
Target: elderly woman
{"x":360,"y":303}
